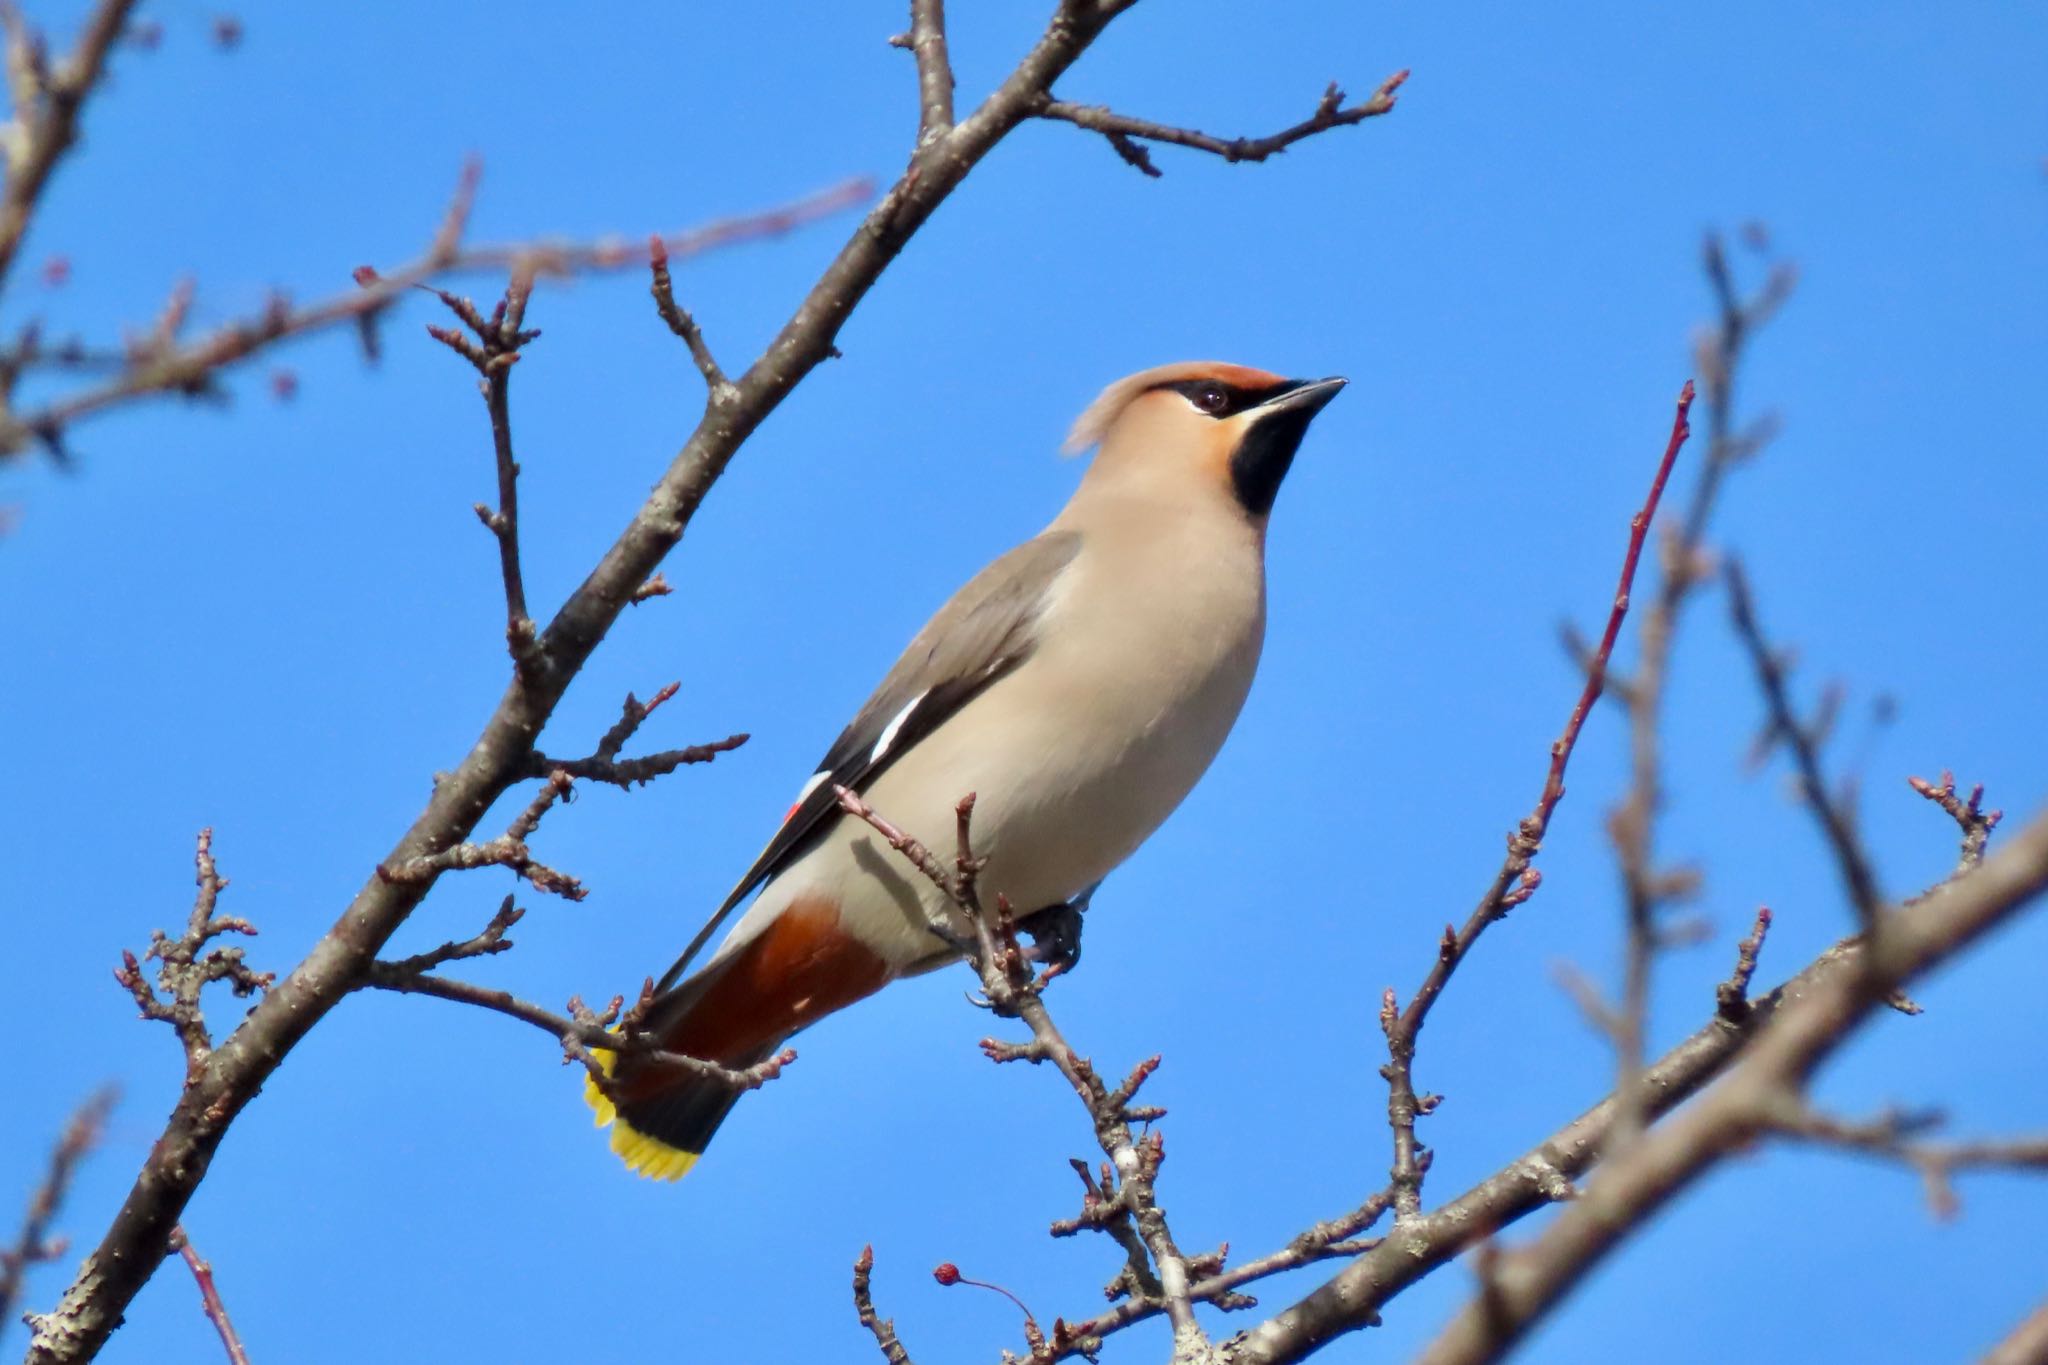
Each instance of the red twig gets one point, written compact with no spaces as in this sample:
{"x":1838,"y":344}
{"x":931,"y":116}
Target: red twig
{"x":209,"y":1297}
{"x":1517,"y":879}
{"x":1596,"y":671}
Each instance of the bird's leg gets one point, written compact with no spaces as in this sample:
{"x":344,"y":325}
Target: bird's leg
{"x":1056,"y":931}
{"x":960,"y":944}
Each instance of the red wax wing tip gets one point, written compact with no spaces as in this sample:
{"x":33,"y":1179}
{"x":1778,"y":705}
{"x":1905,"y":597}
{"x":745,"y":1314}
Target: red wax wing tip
{"x":791,"y":811}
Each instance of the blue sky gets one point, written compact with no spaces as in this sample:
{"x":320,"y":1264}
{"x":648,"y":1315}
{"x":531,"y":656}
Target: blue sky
{"x":279,"y":619}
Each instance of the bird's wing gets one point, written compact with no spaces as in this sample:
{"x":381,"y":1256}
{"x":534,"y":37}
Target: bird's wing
{"x":986,"y":630}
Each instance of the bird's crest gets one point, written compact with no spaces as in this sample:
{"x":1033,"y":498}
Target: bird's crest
{"x":1094,"y":424}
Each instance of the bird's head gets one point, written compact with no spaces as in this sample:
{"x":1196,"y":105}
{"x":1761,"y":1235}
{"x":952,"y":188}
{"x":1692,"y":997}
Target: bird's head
{"x":1202,"y":426}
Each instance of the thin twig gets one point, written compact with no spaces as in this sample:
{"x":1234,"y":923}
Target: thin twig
{"x":1635,"y":1184}
{"x":1969,"y":814}
{"x":34,"y":1245}
{"x":1895,"y":1135}
{"x":1517,"y":879}
{"x":507,"y":850}
{"x":1836,"y":823}
{"x":605,"y":765}
{"x":1012,"y":992}
{"x":1648,"y":887}
{"x":486,"y":942}
{"x":1731,"y":997}
{"x":683,"y":325}
{"x":1121,"y":130}
{"x":406,"y":978}
{"x":188,"y":966}
{"x":864,"y":1304}
{"x":494,"y":351}
{"x":209,"y":1297}
{"x":194,"y":370}
{"x":47,"y":103}
{"x":934,"y":70}
{"x":1319,"y":1242}
{"x":133,"y":1243}
{"x":2025,"y":1344}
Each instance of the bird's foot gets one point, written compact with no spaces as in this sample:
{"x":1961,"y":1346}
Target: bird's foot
{"x":1056,"y":932}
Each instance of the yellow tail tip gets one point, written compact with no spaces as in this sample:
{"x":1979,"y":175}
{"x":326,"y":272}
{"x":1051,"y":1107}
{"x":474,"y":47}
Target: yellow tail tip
{"x":644,"y":1155}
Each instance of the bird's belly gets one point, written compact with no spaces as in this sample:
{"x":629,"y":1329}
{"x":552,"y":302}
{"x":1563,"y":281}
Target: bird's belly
{"x":1069,"y":778}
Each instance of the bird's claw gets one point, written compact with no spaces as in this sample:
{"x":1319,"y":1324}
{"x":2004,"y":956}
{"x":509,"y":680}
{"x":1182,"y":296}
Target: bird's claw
{"x":1056,"y":932}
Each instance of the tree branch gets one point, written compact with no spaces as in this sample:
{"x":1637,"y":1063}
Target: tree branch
{"x":1648,"y":888}
{"x":927,"y":43}
{"x":2026,"y":1344}
{"x":605,"y":765}
{"x":1970,"y":816}
{"x":1127,"y":1187}
{"x":1785,"y":726}
{"x":1543,"y":1175}
{"x":209,"y":1297}
{"x":1747,"y":1103}
{"x":1892,"y":1135}
{"x":188,"y":967}
{"x":577,"y":1035}
{"x":134,"y":1242}
{"x":193,"y":370}
{"x":864,"y":1304}
{"x":1517,"y":879}
{"x":1121,"y":130}
{"x":683,"y":325}
{"x":493,"y":353}
{"x":47,"y":104}
{"x":34,"y":1245}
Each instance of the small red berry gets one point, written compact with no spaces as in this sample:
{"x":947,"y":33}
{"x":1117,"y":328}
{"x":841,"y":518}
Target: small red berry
{"x":947,"y":1273}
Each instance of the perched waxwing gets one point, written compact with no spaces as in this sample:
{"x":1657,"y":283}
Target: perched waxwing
{"x":1080,"y":685}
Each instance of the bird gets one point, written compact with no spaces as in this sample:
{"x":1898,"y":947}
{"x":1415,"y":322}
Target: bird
{"x":1079,"y":686}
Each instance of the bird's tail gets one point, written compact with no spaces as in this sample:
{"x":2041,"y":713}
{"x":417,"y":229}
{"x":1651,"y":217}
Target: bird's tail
{"x":660,"y":1133}
{"x":662,"y":1118}
{"x":736,"y":1012}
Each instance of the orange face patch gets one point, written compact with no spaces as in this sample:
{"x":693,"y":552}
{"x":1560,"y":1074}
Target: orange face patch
{"x":1093,"y":423}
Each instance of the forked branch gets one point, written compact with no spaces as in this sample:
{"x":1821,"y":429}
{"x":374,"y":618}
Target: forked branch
{"x":1127,"y":135}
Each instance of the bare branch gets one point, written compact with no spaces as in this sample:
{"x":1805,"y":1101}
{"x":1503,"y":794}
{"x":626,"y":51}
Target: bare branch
{"x":134,"y":1242}
{"x":605,"y":765}
{"x":1835,"y":822}
{"x":683,"y":325}
{"x":1893,"y":1135}
{"x":1648,"y":887}
{"x":1637,"y":1183}
{"x":1121,"y":131}
{"x":188,"y":966}
{"x":405,"y":977}
{"x":507,"y":850}
{"x":864,"y":1304}
{"x":495,"y":350}
{"x":1517,"y":880}
{"x":47,"y":104}
{"x":1732,"y":995}
{"x":34,"y":1245}
{"x":934,"y":70}
{"x":486,"y":942}
{"x":1813,"y":1002}
{"x":194,"y":370}
{"x":2026,"y":1344}
{"x":1127,"y":1187}
{"x":1970,"y":816}
{"x":209,"y":1297}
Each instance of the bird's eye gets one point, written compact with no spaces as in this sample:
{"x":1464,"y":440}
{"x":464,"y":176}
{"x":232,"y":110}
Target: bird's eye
{"x":1211,"y":398}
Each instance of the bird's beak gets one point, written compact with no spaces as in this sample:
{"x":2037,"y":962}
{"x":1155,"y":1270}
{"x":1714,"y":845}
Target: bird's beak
{"x":1273,"y":432}
{"x":1305,"y":396}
